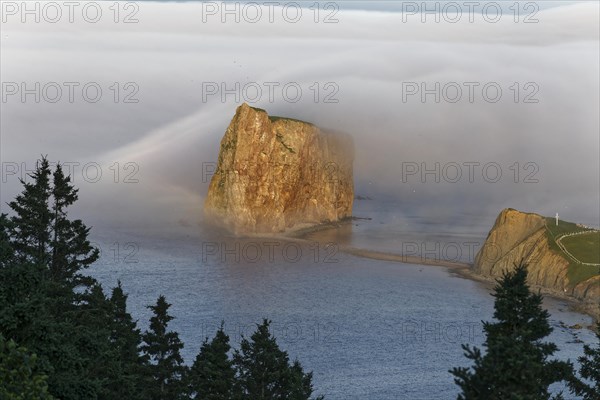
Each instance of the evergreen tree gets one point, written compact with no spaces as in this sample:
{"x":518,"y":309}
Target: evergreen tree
{"x":516,"y":365}
{"x":41,"y":232}
{"x":26,"y":317}
{"x":127,"y":380}
{"x":87,"y":346}
{"x":41,"y":309}
{"x":92,"y":317}
{"x":590,"y":371}
{"x":29,"y":316}
{"x":212,"y":375}
{"x":31,"y":227}
{"x":166,"y":369}
{"x":20,"y":288}
{"x":6,"y":248}
{"x":263,"y":371}
{"x":300,"y":383}
{"x":20,"y":378}
{"x":71,"y":249}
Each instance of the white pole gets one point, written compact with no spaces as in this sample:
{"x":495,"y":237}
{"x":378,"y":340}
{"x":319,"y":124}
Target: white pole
{"x":556,"y":219}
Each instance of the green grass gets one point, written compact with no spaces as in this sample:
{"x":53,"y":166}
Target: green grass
{"x":585,"y":248}
{"x":578,"y":273}
{"x":562,"y":228}
{"x":554,"y":231}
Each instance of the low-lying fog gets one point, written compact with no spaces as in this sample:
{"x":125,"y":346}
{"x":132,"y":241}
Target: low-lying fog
{"x":500,"y":114}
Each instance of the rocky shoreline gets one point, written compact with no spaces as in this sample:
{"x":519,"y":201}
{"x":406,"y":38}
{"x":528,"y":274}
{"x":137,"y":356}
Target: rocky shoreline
{"x":574,"y":304}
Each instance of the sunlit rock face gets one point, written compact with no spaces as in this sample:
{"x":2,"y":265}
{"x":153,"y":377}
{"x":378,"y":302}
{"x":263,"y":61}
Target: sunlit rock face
{"x":517,"y":236}
{"x":278,"y":174}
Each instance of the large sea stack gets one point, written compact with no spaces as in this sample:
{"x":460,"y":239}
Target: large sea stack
{"x":277,"y":174}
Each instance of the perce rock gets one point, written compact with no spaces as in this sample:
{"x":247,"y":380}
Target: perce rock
{"x":518,"y":236}
{"x":277,"y":174}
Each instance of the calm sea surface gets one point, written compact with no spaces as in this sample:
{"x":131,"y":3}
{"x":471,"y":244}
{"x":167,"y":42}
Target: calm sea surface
{"x":368,"y":329}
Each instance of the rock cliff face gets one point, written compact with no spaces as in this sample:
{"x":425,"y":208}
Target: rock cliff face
{"x":518,"y":236}
{"x":276,"y":174}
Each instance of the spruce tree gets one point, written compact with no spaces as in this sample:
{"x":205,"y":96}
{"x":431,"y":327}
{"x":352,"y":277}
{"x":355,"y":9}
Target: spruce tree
{"x":71,"y":249}
{"x":162,"y":347}
{"x":92,"y":317}
{"x":263,"y":371}
{"x":20,"y":377}
{"x":516,"y":364}
{"x":88,"y":345}
{"x":41,"y":309}
{"x":6,"y":248}
{"x":127,"y":380}
{"x":589,"y":388}
{"x":212,"y":375}
{"x":300,"y":383}
{"x":31,"y":224}
{"x":30,"y":316}
{"x":42,"y":234}
{"x":36,"y":314}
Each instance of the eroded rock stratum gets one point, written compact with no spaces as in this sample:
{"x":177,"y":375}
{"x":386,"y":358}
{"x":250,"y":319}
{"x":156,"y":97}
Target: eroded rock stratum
{"x":517,"y":236}
{"x":277,"y":174}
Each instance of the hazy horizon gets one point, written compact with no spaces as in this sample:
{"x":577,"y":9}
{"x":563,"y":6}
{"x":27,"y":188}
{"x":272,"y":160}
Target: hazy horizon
{"x":367,"y":62}
{"x":457,"y":110}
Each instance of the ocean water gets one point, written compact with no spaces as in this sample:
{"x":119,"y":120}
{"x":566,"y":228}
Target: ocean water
{"x":367,"y":329}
